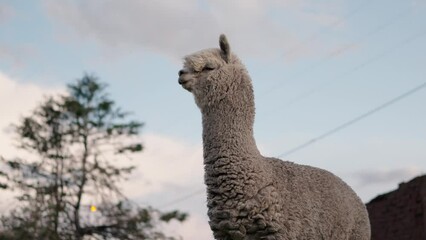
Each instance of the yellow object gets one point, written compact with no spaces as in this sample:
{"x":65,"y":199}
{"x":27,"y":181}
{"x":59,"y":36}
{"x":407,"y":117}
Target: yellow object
{"x":93,"y":208}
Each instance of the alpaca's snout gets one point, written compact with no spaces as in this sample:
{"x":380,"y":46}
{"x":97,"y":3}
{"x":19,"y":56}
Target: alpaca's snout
{"x":185,"y":81}
{"x":182,"y":78}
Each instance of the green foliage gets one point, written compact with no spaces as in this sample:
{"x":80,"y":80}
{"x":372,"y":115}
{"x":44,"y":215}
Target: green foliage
{"x":80,"y":141}
{"x":174,"y":215}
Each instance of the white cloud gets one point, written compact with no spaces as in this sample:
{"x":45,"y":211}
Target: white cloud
{"x":16,"y":99}
{"x":175,"y":28}
{"x":194,"y":228}
{"x":380,"y":176}
{"x":165,"y":165}
{"x":370,"y":183}
{"x":371,"y":163}
{"x":166,"y":169}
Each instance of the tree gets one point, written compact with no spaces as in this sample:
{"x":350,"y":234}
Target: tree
{"x":80,"y":140}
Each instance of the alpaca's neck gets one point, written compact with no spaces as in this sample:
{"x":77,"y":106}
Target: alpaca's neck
{"x":229,"y":151}
{"x":228,"y":132}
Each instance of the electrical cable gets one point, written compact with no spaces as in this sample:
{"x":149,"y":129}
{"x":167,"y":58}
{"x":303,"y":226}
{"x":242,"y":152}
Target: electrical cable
{"x":352,"y":121}
{"x":321,"y":136}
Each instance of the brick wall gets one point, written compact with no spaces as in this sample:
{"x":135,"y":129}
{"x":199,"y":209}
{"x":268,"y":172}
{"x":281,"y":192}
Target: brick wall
{"x":400,"y":214}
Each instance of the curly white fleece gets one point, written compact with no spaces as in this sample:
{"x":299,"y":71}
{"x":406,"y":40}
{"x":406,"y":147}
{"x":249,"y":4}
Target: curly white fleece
{"x":251,"y":196}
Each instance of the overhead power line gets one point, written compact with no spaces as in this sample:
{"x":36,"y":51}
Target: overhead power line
{"x":320,"y":137}
{"x":329,"y":56}
{"x":335,"y":23}
{"x":352,"y":121}
{"x":369,"y":61}
{"x":335,"y":53}
{"x":183,"y":198}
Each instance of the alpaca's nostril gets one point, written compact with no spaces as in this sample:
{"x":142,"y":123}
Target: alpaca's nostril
{"x":181,"y":72}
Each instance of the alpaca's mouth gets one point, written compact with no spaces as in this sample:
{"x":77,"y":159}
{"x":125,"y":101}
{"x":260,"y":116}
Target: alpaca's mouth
{"x":182,"y":81}
{"x":185,"y":84}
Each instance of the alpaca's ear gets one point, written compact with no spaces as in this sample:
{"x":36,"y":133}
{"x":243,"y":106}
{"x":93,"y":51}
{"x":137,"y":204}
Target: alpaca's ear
{"x":224,"y":46}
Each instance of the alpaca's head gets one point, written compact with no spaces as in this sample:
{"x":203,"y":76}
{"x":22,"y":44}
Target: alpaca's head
{"x":213,"y":75}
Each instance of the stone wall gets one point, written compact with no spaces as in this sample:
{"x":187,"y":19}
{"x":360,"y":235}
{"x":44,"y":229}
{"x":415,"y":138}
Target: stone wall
{"x":400,"y":214}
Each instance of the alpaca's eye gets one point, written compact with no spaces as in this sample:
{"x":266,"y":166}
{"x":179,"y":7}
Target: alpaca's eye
{"x":208,"y":68}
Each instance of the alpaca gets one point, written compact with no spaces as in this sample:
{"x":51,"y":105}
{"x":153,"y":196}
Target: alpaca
{"x":253,"y":197}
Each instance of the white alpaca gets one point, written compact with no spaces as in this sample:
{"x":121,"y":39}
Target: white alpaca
{"x":256,"y":197}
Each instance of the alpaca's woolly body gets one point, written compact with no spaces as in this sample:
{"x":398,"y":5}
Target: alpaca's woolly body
{"x":254,"y":197}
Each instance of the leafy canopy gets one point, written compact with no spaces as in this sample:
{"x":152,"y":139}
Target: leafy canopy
{"x":79,"y":144}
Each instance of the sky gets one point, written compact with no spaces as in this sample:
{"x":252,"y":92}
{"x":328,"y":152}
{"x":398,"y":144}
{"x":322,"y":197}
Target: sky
{"x":315,"y":65}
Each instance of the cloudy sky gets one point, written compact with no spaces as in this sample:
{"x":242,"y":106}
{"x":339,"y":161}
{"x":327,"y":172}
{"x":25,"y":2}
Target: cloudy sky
{"x":315,"y":65}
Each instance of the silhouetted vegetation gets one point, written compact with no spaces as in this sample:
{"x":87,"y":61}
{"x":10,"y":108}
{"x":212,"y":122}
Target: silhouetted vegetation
{"x":69,"y":187}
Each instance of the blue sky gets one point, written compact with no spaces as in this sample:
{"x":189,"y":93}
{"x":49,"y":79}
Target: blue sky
{"x":314,"y":65}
